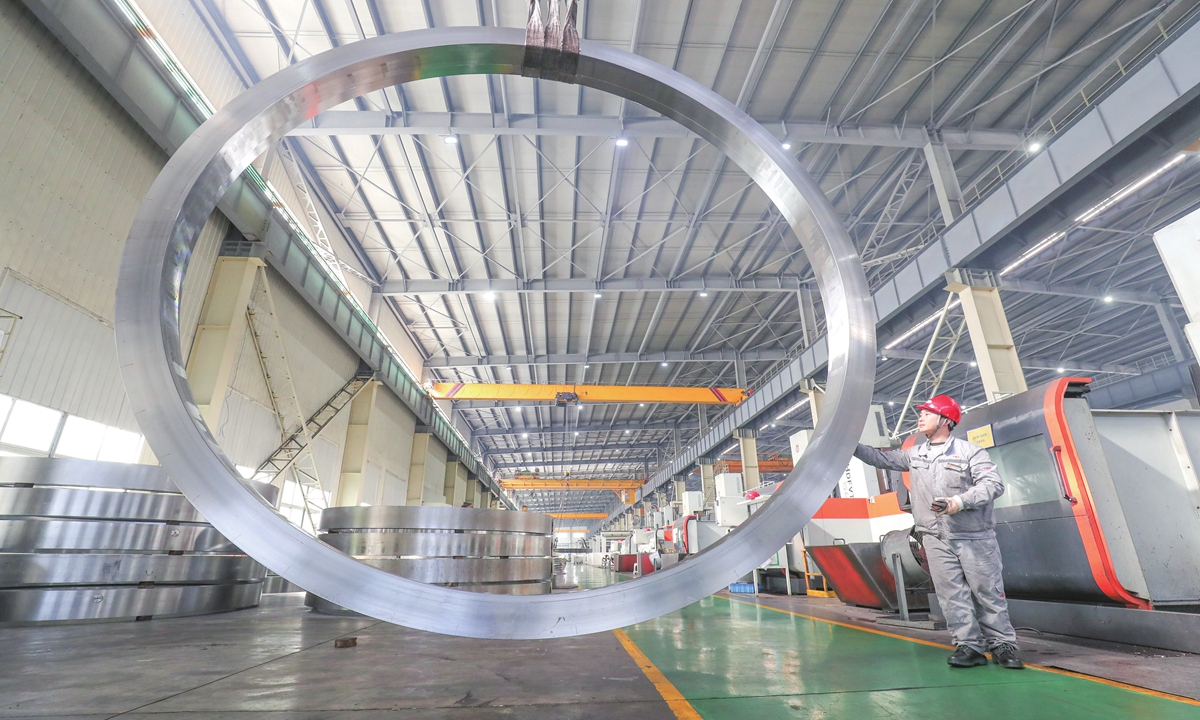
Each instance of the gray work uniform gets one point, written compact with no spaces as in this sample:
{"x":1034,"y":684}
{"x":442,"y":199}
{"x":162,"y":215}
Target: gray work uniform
{"x":964,"y":558}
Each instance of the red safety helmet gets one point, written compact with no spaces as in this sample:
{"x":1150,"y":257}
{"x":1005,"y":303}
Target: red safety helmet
{"x":945,"y":406}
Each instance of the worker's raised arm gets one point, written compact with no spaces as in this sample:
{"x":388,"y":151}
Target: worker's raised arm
{"x":986,"y":484}
{"x":886,"y":459}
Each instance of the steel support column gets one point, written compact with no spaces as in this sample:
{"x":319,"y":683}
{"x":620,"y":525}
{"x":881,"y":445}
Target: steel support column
{"x":1179,"y":246}
{"x":991,"y":338}
{"x":748,"y":446}
{"x":354,"y":451}
{"x":219,"y":335}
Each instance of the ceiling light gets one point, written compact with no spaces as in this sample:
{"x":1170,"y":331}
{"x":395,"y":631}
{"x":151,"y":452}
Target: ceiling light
{"x":489,"y":296}
{"x":1060,"y":370}
{"x":665,"y":364}
{"x":576,"y":432}
{"x":516,"y":409}
{"x":883,"y":359}
{"x":1035,"y":146}
{"x":524,"y":434}
{"x":626,"y":432}
{"x":703,"y":294}
{"x":597,"y":296}
{"x":974,"y":364}
{"x":641,"y":404}
{"x":772,"y":424}
{"x":921,"y":325}
{"x":891,"y":403}
{"x":450,"y":139}
{"x":1108,"y":298}
{"x":793,"y":408}
{"x":622,"y":142}
{"x":787,"y":146}
{"x":585,"y":367}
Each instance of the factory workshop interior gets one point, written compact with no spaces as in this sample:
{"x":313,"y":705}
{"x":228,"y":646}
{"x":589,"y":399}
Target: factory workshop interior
{"x":633,"y":359}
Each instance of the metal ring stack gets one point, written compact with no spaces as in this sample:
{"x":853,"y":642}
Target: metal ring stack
{"x":487,"y":551}
{"x":86,"y":540}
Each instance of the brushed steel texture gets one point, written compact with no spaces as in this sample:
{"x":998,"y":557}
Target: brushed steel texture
{"x":439,"y":571}
{"x":84,"y":473}
{"x":81,"y":503}
{"x":521,"y":589}
{"x":38,"y":605}
{"x":439,"y":544}
{"x":417,"y":517}
{"x":41,"y":535}
{"x":25,"y":569}
{"x":195,"y":178}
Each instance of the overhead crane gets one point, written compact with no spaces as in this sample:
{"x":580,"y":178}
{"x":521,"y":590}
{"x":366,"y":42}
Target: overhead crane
{"x":625,"y":489}
{"x":772,"y":464}
{"x":575,"y":394}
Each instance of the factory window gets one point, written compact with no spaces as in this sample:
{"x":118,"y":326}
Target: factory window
{"x":89,"y":440}
{"x":1028,"y":471}
{"x":29,"y":429}
{"x":31,"y":426}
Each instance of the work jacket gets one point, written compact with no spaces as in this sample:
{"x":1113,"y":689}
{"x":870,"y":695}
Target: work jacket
{"x":962,"y":469}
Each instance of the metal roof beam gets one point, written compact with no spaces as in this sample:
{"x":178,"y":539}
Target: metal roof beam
{"x":570,"y":463}
{"x":675,"y":356}
{"x":341,"y":122}
{"x":570,"y":430}
{"x":573,"y":448}
{"x":728,"y":283}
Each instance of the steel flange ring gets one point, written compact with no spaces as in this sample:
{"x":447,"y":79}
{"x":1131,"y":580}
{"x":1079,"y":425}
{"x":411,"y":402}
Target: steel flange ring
{"x":197,"y":175}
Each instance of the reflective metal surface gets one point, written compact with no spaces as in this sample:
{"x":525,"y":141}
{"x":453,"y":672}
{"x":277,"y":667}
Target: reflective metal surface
{"x":439,"y":544}
{"x":73,"y":552}
{"x":185,"y":193}
{"x":435,"y":518}
{"x":485,"y":551}
{"x":23,"y":569}
{"x":83,"y":503}
{"x":124,"y":602}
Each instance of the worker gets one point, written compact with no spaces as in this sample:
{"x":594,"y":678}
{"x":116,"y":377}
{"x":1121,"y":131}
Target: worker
{"x":953,"y":483}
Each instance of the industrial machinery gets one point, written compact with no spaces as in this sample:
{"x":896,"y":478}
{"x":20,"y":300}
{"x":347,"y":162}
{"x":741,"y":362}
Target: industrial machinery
{"x":86,"y":540}
{"x":484,"y":551}
{"x":1098,"y":526}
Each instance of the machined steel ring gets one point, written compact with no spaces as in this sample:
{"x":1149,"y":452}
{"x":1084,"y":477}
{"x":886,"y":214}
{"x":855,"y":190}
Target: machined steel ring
{"x":198,"y":174}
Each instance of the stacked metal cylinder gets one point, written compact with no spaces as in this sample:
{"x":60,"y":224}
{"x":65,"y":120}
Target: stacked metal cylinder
{"x":488,"y":551}
{"x":86,"y":540}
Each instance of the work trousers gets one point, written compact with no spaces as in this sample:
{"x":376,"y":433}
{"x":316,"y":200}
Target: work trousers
{"x":966,"y":576}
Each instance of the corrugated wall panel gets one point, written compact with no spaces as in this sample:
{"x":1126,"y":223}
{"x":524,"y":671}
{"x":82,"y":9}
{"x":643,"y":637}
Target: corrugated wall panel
{"x":62,"y":356}
{"x":247,"y":431}
{"x":389,"y":443}
{"x":314,"y":350}
{"x":185,"y":33}
{"x":74,"y":168}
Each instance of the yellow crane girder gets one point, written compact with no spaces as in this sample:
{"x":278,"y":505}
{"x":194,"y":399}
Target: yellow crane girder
{"x":567,"y":484}
{"x":569,"y":394}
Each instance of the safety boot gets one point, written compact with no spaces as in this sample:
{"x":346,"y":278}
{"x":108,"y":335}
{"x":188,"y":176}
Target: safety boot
{"x":965,"y":657}
{"x":1005,"y":655}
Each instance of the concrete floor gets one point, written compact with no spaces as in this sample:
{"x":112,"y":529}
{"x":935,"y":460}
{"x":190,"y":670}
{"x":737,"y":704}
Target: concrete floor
{"x":724,"y":657}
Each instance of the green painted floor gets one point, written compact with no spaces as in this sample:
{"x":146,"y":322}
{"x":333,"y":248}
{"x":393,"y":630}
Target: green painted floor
{"x":735,"y":660}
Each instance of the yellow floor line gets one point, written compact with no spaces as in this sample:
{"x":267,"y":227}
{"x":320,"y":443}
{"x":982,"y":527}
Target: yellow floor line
{"x":675,"y":700}
{"x":1043,"y":668}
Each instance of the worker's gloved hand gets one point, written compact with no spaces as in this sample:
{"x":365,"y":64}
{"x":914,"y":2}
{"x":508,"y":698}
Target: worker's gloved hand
{"x":947,"y":505}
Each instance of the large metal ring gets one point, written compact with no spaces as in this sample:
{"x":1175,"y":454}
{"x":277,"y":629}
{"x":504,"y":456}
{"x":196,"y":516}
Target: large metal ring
{"x":195,"y":178}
